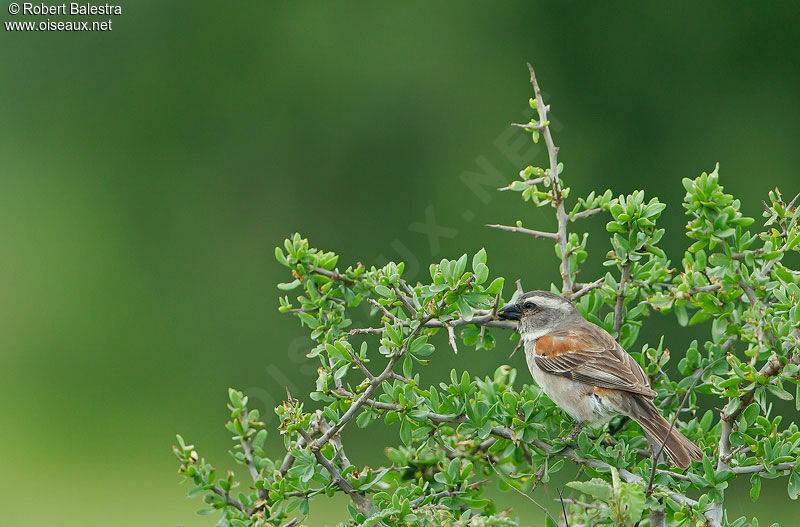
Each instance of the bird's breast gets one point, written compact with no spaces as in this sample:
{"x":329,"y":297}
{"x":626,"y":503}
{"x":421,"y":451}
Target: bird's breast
{"x":581,"y":401}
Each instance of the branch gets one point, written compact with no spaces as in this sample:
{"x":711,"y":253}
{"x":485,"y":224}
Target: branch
{"x":451,"y":338}
{"x":699,"y":372}
{"x":772,"y":368}
{"x":524,"y":495}
{"x":362,"y":503}
{"x":529,"y":182}
{"x":416,"y":502}
{"x":301,"y":310}
{"x":757,"y":469}
{"x":405,"y":301}
{"x":585,"y":214}
{"x":561,"y":215}
{"x":705,"y":289}
{"x":563,"y":507}
{"x":529,"y":126}
{"x":368,"y":374}
{"x":230,"y":501}
{"x":568,"y":452}
{"x":489,"y":320}
{"x":373,"y":385}
{"x":288,"y":460}
{"x":523,"y":230}
{"x":391,"y":316}
{"x":715,"y":513}
{"x":602,"y":466}
{"x":586,"y":288}
{"x":658,"y":518}
{"x":620,"y":303}
{"x":248,"y":455}
{"x":744,"y":254}
{"x":336,"y":276}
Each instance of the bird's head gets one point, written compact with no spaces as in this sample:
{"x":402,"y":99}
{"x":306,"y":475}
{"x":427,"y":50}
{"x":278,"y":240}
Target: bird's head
{"x":539,"y":313}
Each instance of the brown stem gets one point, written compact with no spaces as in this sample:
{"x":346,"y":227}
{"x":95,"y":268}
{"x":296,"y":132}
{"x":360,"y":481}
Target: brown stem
{"x":620,"y":303}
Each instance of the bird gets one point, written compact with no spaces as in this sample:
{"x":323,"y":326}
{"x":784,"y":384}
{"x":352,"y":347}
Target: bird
{"x":588,"y":374}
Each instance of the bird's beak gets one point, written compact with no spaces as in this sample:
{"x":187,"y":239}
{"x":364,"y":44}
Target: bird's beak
{"x":509,"y":312}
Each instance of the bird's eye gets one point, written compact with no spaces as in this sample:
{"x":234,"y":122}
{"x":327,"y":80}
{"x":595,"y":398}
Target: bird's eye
{"x":529,"y":305}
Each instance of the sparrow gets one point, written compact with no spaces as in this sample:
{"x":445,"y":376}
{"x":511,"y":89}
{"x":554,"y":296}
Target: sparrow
{"x":582,"y":369}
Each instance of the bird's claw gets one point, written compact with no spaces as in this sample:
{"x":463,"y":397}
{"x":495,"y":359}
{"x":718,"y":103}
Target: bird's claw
{"x":576,"y":429}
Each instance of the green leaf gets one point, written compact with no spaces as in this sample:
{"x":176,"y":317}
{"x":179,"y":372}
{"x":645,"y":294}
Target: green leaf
{"x":280,"y":257}
{"x":479,"y":258}
{"x":632,"y":497}
{"x":596,"y":488}
{"x":794,"y":485}
{"x":779,"y":392}
{"x":682,"y":315}
{"x":258,"y":440}
{"x":405,"y":432}
{"x":464,"y":308}
{"x":495,"y":287}
{"x":755,"y":487}
{"x":383,"y":291}
{"x":288,"y":286}
{"x":481,"y":273}
{"x":235,"y":397}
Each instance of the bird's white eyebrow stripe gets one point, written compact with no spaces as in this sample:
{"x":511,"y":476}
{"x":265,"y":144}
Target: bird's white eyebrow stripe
{"x":548,"y":302}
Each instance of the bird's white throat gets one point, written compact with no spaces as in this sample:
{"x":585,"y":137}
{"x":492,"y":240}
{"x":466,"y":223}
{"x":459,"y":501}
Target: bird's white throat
{"x":532,"y":336}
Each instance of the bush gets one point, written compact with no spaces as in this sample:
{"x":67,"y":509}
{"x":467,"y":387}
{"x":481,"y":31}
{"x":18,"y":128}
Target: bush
{"x":462,"y":433}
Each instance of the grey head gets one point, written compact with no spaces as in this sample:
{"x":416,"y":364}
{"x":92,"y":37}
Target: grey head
{"x":539,"y":312}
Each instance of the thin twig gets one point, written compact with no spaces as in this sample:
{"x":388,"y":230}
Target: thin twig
{"x":523,"y":230}
{"x":698,"y":372}
{"x":579,"y":503}
{"x":251,"y":465}
{"x":230,"y":501}
{"x":587,"y":288}
{"x":336,"y":276}
{"x":523,"y":494}
{"x":451,"y":338}
{"x":529,"y":126}
{"x":301,"y":310}
{"x":563,"y":507}
{"x":756,"y":469}
{"x":405,"y":301}
{"x":620,"y":303}
{"x":561,"y":215}
{"x":361,"y":366}
{"x":585,"y":214}
{"x":529,"y":182}
{"x":517,"y":347}
{"x":373,"y":385}
{"x":705,"y":289}
{"x":391,"y":316}
{"x":362,"y":503}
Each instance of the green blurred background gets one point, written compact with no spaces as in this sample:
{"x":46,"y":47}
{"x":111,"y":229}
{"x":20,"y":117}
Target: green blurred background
{"x":148,"y":172}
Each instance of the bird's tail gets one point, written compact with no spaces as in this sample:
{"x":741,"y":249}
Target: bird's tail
{"x":680,"y":450}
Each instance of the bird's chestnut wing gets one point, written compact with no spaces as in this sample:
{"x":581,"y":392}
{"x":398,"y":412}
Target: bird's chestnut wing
{"x":609,"y":368}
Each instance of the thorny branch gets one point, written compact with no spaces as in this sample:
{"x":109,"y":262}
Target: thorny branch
{"x":561,"y":214}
